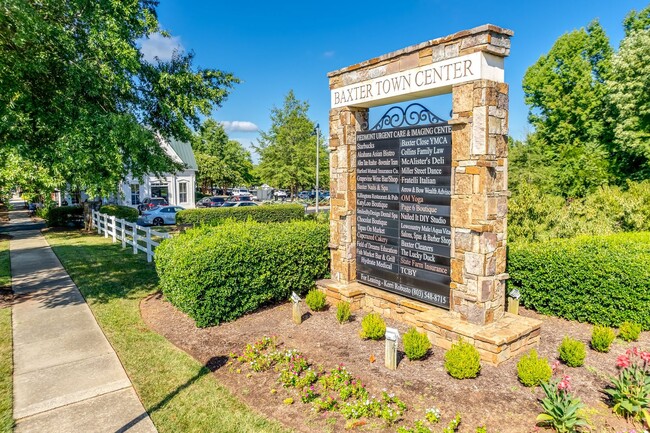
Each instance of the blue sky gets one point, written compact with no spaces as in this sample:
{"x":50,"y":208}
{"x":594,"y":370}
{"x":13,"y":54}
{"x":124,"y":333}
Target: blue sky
{"x":277,"y":46}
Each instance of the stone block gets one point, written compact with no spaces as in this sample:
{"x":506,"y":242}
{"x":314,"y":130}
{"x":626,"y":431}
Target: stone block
{"x":409,"y":61}
{"x":463,"y":184}
{"x":461,"y":215}
{"x":437,"y":53}
{"x":479,"y":131}
{"x":463,"y":240}
{"x":474,"y":263}
{"x":461,"y":138}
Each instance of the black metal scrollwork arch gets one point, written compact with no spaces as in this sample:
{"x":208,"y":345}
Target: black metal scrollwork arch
{"x":414,"y":114}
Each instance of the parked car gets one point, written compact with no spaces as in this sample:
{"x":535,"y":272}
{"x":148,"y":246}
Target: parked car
{"x":279,"y":194}
{"x":151,"y":202}
{"x":241,"y":198}
{"x":239,"y":204}
{"x":304,"y":195}
{"x":241,"y":191}
{"x":160,"y":215}
{"x":215,"y":201}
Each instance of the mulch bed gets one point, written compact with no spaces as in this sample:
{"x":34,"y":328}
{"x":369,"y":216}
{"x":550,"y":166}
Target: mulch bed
{"x":495,"y":399}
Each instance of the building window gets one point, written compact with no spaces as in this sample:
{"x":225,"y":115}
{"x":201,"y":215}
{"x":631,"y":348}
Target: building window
{"x":135,"y":193}
{"x":182,"y":192}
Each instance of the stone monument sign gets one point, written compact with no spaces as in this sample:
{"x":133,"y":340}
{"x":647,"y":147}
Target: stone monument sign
{"x":419,"y":205}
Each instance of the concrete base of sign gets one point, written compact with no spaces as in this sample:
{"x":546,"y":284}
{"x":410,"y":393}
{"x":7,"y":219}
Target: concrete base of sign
{"x":497,"y":342}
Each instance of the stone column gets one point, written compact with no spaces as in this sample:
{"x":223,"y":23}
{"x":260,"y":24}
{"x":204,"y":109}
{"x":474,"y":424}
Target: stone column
{"x":344,"y":124}
{"x":479,"y":200}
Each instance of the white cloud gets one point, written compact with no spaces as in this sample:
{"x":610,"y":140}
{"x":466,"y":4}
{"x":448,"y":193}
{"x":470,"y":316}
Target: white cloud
{"x":161,"y":47}
{"x":239,"y":126}
{"x":328,"y":54}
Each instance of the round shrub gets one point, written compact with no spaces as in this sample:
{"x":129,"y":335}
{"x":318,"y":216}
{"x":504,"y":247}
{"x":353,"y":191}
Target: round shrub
{"x":343,"y":311}
{"x":572,"y":352}
{"x":315,"y":300}
{"x":596,"y":279}
{"x":416,"y":344}
{"x":601,"y":338}
{"x":533,"y":370}
{"x":629,"y":331}
{"x":217,"y":274}
{"x":462,"y":361}
{"x":373,"y":327}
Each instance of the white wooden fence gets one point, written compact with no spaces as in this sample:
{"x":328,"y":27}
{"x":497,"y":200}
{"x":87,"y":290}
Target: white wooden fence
{"x":128,"y":233}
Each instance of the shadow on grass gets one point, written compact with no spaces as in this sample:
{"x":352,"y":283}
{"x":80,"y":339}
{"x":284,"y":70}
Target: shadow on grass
{"x":105,"y":271}
{"x":213,"y":364}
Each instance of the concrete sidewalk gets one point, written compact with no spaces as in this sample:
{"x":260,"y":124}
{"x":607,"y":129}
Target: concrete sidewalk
{"x":67,"y":378}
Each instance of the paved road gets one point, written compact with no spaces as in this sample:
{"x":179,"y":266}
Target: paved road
{"x":67,"y":377}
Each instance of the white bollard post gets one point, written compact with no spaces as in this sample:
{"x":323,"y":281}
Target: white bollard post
{"x":392,"y":337}
{"x":105,"y":225}
{"x":297,"y":311}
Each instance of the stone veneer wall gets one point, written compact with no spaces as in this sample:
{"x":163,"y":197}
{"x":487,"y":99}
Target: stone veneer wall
{"x":479,"y":201}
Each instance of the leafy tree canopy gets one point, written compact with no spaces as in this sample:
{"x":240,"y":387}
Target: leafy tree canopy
{"x":78,"y":98}
{"x":288,"y":149}
{"x":629,"y":93}
{"x":637,"y":21}
{"x":222,"y":162}
{"x":565,"y":91}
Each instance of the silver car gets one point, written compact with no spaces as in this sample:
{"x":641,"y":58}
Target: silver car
{"x":161,"y":215}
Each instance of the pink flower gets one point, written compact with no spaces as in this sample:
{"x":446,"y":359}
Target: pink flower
{"x":645,"y":356}
{"x":623,"y":361}
{"x":634,"y":351}
{"x":564,"y":384}
{"x":555,"y":365}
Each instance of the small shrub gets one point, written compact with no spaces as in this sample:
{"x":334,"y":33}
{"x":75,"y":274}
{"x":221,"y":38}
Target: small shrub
{"x":572,"y":352}
{"x":629,"y":331}
{"x":416,"y":344}
{"x":64,"y":216}
{"x":462,"y":361}
{"x":315,"y":300}
{"x":343,"y":311}
{"x":601,"y":338}
{"x":123,"y":212}
{"x":533,"y":370}
{"x":373,"y":327}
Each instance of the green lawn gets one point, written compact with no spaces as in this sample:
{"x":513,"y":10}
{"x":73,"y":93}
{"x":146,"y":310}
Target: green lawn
{"x":178,"y":392}
{"x":6,"y":358}
{"x":5,"y":270}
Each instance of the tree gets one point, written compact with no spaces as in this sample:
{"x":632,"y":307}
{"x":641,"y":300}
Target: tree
{"x":222,"y":162}
{"x":78,"y":98}
{"x":629,"y":92}
{"x":288,"y":149}
{"x":635,"y":21}
{"x":566,"y":93}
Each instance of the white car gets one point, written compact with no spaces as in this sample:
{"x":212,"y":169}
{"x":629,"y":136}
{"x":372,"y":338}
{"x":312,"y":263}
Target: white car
{"x":280,"y":194}
{"x":241,"y":192}
{"x":161,"y":215}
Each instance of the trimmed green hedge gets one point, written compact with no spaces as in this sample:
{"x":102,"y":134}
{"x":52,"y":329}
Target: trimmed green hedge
{"x":64,"y":216}
{"x":263,"y":214}
{"x":603,"y":280}
{"x":124,"y":212}
{"x":217,"y":275}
